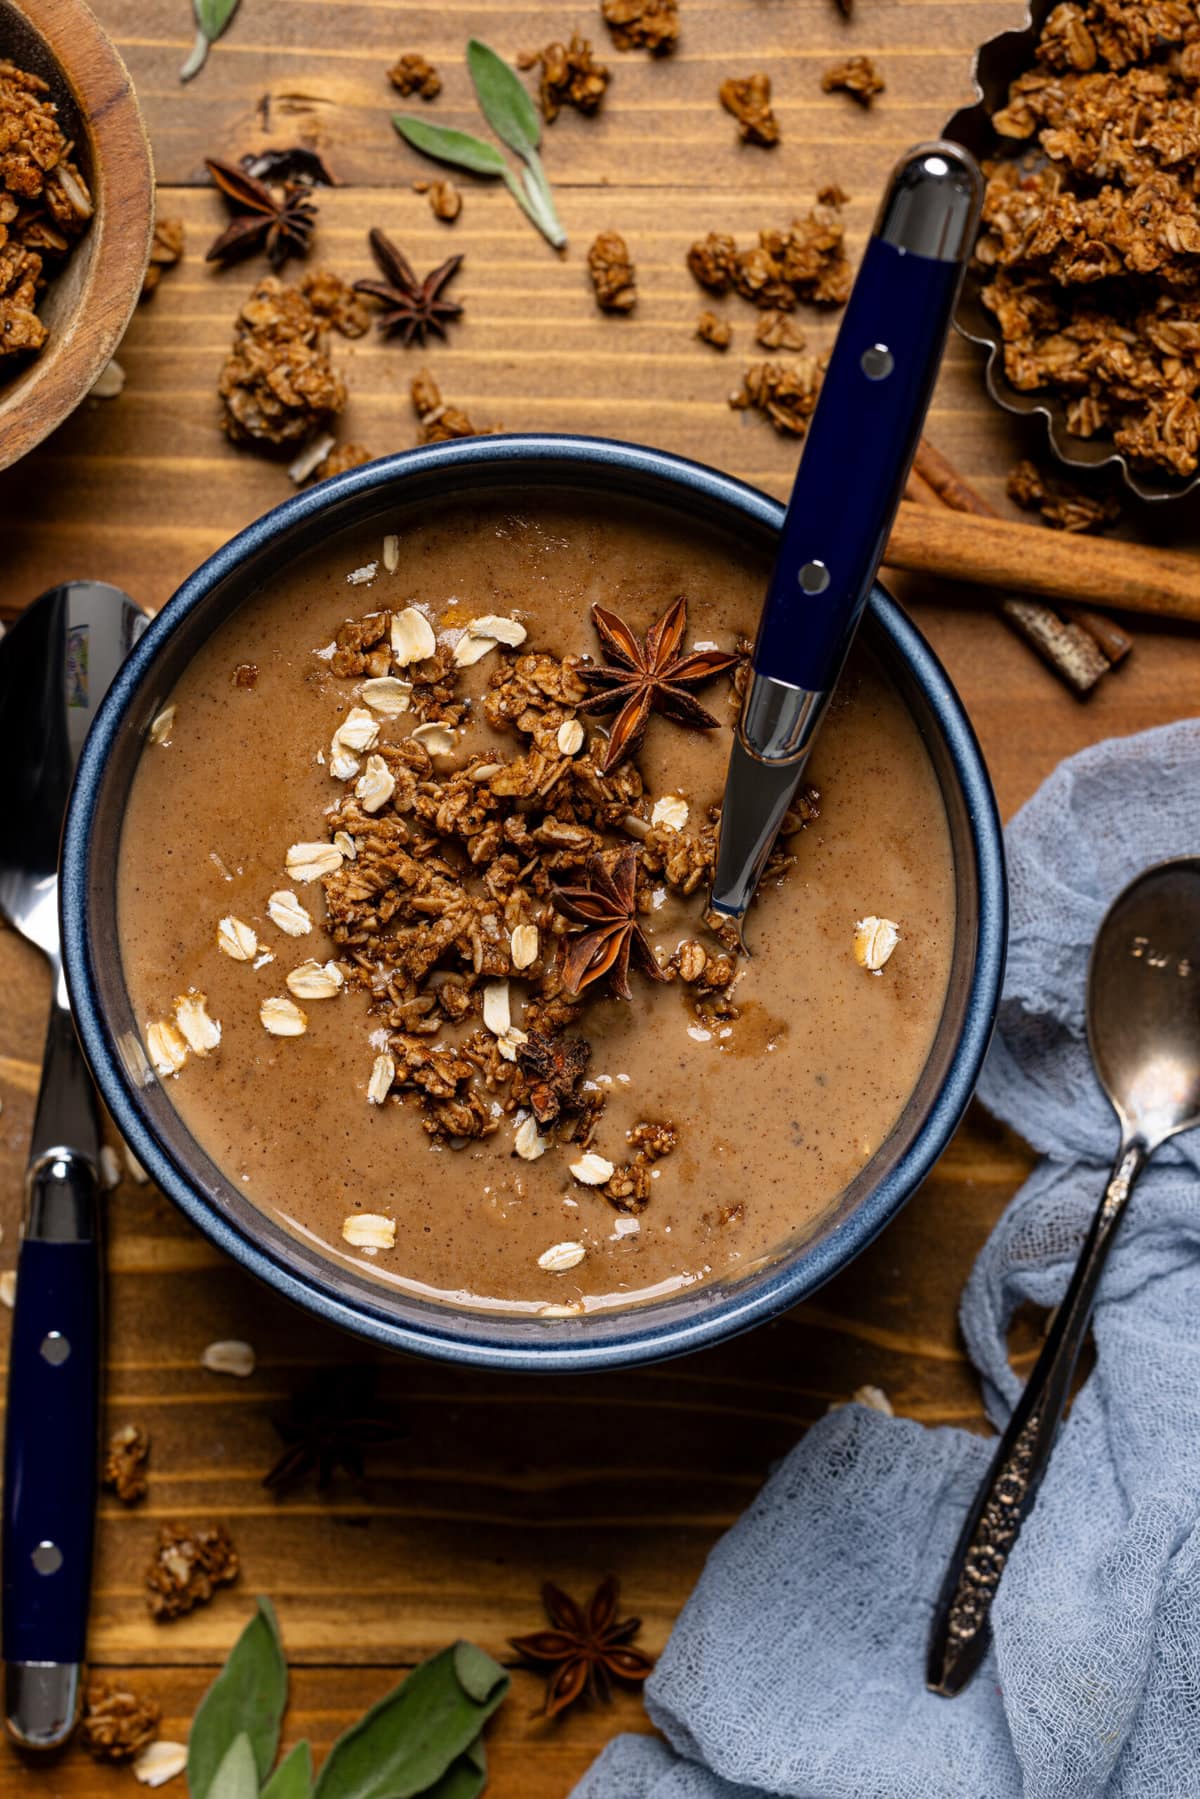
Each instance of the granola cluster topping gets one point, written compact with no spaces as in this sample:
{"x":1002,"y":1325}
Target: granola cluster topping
{"x":125,"y":1464}
{"x":45,"y":205}
{"x":413,"y":73}
{"x":569,"y":75}
{"x":806,"y":262}
{"x":1062,"y":504}
{"x":437,"y":422}
{"x":188,"y":1567}
{"x":1091,"y":241}
{"x":493,"y":870}
{"x":117,"y":1724}
{"x":857,"y":76}
{"x":278,"y":384}
{"x":784,"y":392}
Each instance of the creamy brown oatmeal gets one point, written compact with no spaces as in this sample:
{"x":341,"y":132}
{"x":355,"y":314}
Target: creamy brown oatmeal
{"x":348,"y":867}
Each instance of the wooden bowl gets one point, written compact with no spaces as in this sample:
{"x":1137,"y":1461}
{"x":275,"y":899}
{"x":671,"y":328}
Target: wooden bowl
{"x":88,"y":303}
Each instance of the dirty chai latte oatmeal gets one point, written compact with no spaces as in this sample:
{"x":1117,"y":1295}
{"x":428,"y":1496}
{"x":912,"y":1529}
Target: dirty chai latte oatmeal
{"x":413,"y":824}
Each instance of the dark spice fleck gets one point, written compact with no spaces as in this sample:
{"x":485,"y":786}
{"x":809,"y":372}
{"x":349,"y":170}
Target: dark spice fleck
{"x":584,"y":1650}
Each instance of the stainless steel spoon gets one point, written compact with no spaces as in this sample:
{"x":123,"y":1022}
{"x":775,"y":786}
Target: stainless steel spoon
{"x":55,"y":664}
{"x":1143,"y":1022}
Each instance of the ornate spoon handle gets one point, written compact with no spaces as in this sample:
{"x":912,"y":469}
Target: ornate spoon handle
{"x":962,"y":1617}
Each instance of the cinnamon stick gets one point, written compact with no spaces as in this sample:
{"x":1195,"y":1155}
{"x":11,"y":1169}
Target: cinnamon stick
{"x":958,"y":494}
{"x":1070,"y":651}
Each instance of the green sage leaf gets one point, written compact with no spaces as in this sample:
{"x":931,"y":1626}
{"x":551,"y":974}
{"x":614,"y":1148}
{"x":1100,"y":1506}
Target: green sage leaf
{"x":237,"y":1776}
{"x":421,"y":1735}
{"x":447,"y":145}
{"x":246,"y":1699}
{"x":292,"y":1779}
{"x":466,"y":1778}
{"x":539,"y":203}
{"x":212,"y":19}
{"x":503,"y":99}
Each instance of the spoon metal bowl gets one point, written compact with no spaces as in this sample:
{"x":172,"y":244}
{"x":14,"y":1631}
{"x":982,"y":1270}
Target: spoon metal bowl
{"x":1143,"y":1023}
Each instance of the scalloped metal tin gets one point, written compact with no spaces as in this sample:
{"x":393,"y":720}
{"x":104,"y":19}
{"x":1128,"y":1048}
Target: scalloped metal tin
{"x":997,"y":63}
{"x":364,"y":498}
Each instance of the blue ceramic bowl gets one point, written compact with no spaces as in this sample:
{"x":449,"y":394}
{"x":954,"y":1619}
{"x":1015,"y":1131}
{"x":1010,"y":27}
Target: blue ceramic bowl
{"x":485,"y":466}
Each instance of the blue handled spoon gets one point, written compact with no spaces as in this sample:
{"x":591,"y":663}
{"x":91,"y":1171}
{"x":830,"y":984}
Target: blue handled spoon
{"x":861,"y":441}
{"x":55,"y":664}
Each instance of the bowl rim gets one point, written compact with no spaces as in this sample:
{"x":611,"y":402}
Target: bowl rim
{"x":442,"y":1337}
{"x":117,"y":244}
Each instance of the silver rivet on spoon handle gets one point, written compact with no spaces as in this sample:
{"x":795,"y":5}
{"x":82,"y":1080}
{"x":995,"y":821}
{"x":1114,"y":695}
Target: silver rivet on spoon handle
{"x":1143,"y":1017}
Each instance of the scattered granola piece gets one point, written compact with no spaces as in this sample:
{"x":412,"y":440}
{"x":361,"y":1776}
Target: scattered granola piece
{"x":160,"y":1762}
{"x":643,"y":24}
{"x":117,"y":1724}
{"x":570,"y":76}
{"x":412,"y":73}
{"x":335,"y":303}
{"x":369,"y":1230}
{"x":671,"y":812}
{"x":874,"y":940}
{"x":190,"y":1564}
{"x":8,"y":1288}
{"x":311,"y":861}
{"x":166,"y":248}
{"x":306,"y":464}
{"x":229,"y":1355}
{"x":236,"y":939}
{"x":1062,"y":504}
{"x":807,"y":262}
{"x":785,"y":393}
{"x":691,"y":959}
{"x":857,"y":76}
{"x":282,"y":1018}
{"x":612,"y":272}
{"x":592,"y":1170}
{"x":125,"y":1464}
{"x":777,"y":330}
{"x":483,"y":635}
{"x":528,"y":1142}
{"x":315,"y":980}
{"x":203,"y":1033}
{"x":749,"y":100}
{"x":561,"y":1256}
{"x":713,"y":330}
{"x":163,"y":725}
{"x":166,"y":1048}
{"x":285,"y":910}
{"x":383,"y":1073}
{"x":445,"y":200}
{"x":438,"y":422}
{"x":278,"y":385}
{"x":342,"y":457}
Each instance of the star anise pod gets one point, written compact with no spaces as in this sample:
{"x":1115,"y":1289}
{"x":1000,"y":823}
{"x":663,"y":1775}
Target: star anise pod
{"x":607,"y":908}
{"x":650,"y":676}
{"x":331,"y":1424}
{"x":409,"y":307}
{"x":585,"y":1650}
{"x":277,"y":219}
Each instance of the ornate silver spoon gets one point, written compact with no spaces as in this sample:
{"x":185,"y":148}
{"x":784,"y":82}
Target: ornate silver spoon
{"x":1143,"y":1021}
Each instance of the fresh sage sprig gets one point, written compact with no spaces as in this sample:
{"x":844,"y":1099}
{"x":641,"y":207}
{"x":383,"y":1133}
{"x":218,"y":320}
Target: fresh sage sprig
{"x":212,"y":19}
{"x":423,"y":1740}
{"x":512,"y":115}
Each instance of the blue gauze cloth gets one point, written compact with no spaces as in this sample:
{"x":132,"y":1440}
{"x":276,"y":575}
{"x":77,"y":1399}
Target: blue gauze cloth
{"x":797,"y":1665}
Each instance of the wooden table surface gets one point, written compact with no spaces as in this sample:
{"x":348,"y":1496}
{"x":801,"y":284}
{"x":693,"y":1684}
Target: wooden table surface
{"x":498,"y":1482}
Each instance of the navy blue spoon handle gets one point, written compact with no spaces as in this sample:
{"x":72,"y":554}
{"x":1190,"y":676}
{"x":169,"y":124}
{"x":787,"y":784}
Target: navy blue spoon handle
{"x":51,"y":1430}
{"x":860,"y":445}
